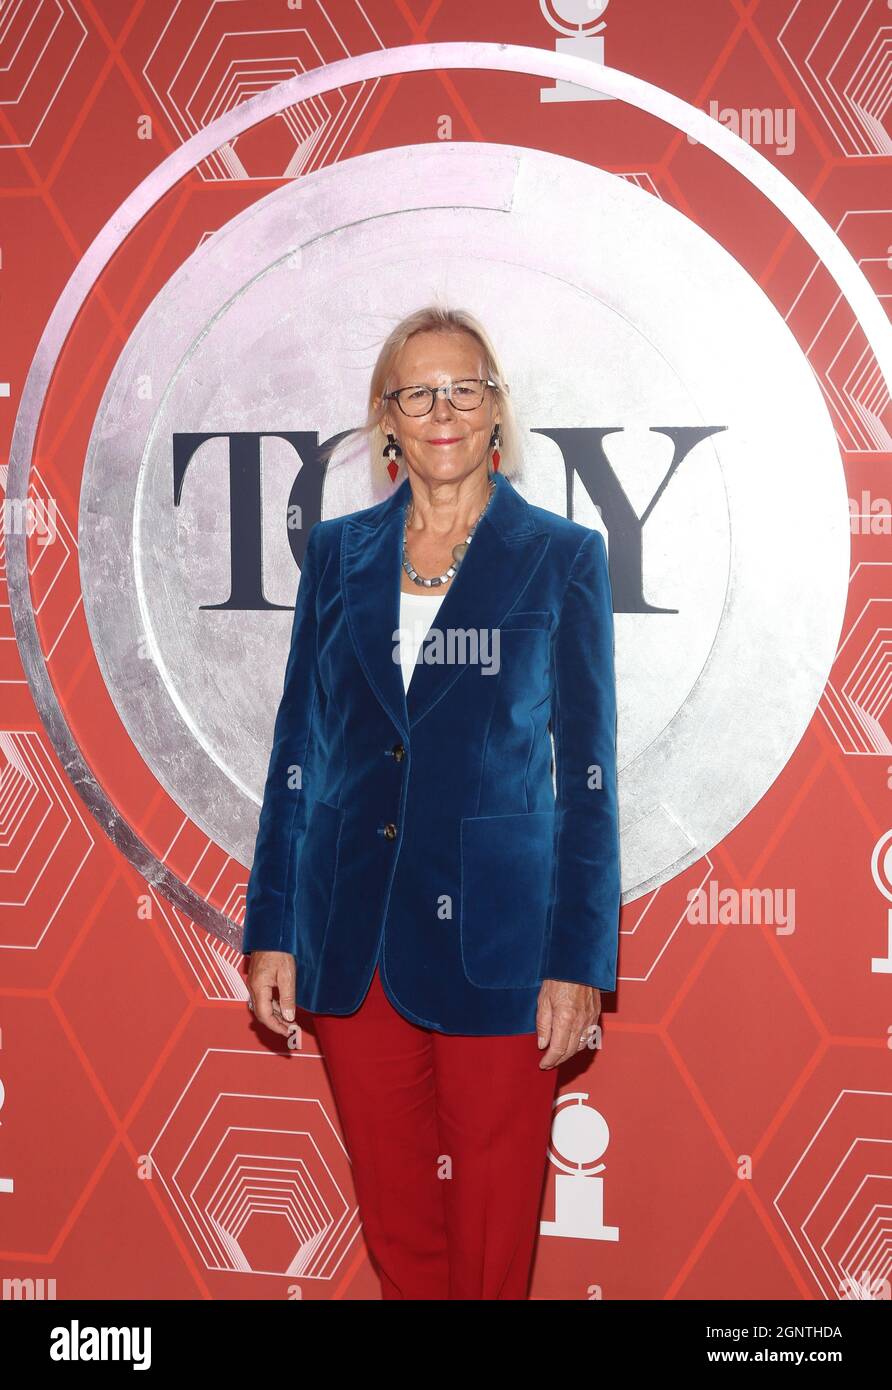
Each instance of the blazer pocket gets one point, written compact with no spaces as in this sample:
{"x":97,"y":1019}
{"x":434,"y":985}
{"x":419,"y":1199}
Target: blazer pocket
{"x":506,"y":865}
{"x":525,"y":621}
{"x":316,"y":877}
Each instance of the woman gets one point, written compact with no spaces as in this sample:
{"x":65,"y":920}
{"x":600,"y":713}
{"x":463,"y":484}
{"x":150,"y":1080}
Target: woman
{"x":419,"y":881}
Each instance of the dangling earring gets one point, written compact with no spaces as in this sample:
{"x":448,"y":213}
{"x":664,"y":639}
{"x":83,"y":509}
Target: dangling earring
{"x":495,"y":444}
{"x":392,"y":451}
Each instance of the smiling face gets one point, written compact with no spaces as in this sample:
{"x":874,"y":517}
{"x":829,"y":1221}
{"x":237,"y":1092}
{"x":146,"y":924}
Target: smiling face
{"x":447,"y":444}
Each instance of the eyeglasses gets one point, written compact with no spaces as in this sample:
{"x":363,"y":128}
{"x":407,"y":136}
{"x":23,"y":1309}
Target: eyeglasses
{"x":419,"y":400}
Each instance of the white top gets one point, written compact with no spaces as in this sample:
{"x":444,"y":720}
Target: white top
{"x":417,"y":612}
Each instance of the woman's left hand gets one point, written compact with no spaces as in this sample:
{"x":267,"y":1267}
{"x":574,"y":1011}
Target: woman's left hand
{"x":566,"y":1016}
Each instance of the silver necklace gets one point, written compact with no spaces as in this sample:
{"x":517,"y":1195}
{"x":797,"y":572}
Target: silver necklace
{"x":458,"y":551}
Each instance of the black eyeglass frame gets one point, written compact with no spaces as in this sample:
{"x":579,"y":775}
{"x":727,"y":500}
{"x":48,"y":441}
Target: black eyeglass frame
{"x":434,"y":392}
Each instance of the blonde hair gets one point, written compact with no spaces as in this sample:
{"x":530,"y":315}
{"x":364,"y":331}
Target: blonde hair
{"x":433,"y":318}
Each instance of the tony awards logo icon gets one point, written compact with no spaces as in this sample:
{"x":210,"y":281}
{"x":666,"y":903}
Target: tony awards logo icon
{"x":580,"y":21}
{"x":579,"y":1136}
{"x":881,"y":868}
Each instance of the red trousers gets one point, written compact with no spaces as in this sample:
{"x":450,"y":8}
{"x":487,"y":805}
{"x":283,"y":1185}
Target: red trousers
{"x":448,"y":1138}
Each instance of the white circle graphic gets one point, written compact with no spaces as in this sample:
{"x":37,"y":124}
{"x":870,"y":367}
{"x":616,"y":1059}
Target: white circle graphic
{"x":716,"y":540}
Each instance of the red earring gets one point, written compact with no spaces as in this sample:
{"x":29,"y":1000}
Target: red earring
{"x":496,"y":456}
{"x":392,"y":451}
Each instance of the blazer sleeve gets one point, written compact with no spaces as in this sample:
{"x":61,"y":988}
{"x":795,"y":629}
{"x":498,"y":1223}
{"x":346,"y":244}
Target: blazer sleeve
{"x":584,"y":928}
{"x":270,"y":923}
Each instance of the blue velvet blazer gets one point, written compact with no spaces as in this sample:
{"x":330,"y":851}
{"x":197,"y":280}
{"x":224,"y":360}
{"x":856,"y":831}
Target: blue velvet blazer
{"x":432,"y":831}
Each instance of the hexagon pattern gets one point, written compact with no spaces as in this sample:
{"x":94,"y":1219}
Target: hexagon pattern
{"x":742,"y":1101}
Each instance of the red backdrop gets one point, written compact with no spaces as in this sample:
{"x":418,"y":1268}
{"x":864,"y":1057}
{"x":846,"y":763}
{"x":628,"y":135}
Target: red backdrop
{"x":153,"y":1145}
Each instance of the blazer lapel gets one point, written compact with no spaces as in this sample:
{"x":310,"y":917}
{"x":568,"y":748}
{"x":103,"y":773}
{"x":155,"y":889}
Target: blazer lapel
{"x":371,"y":564}
{"x":506,"y":549}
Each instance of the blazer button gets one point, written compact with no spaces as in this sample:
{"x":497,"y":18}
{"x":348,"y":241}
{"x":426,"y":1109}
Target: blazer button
{"x":390,"y":831}
{"x":398,"y":752}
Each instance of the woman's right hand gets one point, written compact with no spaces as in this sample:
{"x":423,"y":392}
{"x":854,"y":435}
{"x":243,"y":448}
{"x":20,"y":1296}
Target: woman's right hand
{"x":267,"y":971}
